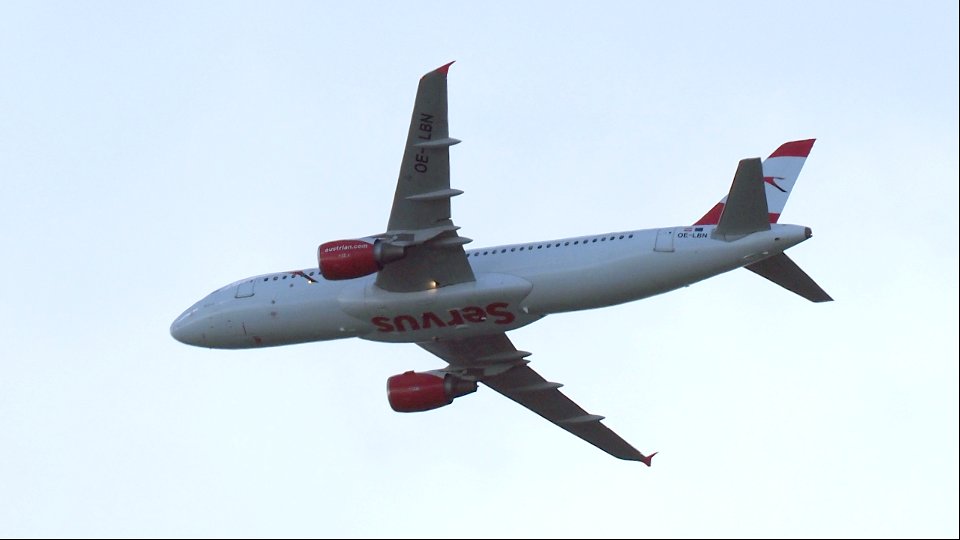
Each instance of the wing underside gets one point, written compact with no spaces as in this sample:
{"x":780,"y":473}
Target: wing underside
{"x":495,"y":362}
{"x":420,"y":219}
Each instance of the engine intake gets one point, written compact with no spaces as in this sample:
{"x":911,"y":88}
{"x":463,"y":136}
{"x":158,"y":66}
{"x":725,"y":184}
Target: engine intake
{"x":415,"y":392}
{"x":348,"y":259}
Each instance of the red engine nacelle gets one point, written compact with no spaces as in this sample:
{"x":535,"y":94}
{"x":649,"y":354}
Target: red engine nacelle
{"x":348,"y":259}
{"x":415,"y":392}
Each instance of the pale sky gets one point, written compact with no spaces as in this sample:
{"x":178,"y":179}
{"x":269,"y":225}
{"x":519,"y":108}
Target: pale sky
{"x":153,"y":152}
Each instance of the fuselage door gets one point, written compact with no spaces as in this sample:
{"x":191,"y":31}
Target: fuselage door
{"x":245,"y":289}
{"x":664,"y":240}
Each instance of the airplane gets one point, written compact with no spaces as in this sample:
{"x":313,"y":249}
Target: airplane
{"x":416,"y":283}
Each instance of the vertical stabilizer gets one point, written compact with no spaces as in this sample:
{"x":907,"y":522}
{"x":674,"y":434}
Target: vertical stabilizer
{"x":780,"y":173}
{"x":746,"y":209}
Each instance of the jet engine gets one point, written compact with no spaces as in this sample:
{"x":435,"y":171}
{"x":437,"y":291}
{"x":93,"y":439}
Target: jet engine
{"x":348,"y":259}
{"x":415,"y":392}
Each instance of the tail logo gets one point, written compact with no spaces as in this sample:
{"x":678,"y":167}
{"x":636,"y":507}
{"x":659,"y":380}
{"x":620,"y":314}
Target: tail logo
{"x":772,"y":181}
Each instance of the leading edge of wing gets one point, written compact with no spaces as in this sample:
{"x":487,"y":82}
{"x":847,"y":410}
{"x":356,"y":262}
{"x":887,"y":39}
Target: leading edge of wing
{"x":494,"y":361}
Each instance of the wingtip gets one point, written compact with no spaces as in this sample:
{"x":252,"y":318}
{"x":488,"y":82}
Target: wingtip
{"x":648,"y":460}
{"x":445,"y":68}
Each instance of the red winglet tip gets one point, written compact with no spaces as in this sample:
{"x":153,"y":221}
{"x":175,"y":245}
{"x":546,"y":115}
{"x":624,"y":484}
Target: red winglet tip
{"x":794,"y":149}
{"x":445,"y":68}
{"x":648,"y":460}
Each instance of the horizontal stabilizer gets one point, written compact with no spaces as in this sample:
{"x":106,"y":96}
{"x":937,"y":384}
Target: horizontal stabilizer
{"x":746,"y":208}
{"x":781,"y":270}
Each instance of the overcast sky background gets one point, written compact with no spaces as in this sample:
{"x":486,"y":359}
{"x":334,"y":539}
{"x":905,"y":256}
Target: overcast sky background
{"x":151,"y":152}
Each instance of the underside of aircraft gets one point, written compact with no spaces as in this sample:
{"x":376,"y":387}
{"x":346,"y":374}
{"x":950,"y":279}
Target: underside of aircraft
{"x":417,"y":283}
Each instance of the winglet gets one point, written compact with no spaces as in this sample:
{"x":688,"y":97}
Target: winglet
{"x":647,"y":460}
{"x":445,"y":68}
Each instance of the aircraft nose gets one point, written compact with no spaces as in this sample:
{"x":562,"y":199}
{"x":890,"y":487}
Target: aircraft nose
{"x":188,"y":329}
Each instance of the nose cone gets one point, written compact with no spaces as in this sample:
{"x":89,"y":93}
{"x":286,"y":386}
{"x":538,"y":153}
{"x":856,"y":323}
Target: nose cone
{"x":189,"y":329}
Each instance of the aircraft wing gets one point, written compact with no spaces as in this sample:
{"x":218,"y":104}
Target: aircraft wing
{"x":494,"y":361}
{"x":420,"y":217}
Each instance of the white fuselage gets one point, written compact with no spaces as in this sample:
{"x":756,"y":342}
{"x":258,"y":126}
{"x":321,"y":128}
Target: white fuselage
{"x":515,"y":285}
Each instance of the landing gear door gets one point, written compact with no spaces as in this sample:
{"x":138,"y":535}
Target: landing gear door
{"x":245,"y":289}
{"x":665,"y":240}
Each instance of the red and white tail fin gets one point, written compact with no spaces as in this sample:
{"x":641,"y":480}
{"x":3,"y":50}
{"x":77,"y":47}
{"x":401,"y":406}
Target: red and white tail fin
{"x":780,"y":173}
